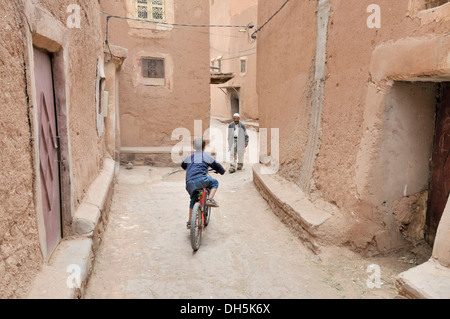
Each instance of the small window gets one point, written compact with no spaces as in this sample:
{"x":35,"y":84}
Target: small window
{"x":243,"y":66}
{"x":219,"y":62}
{"x":435,"y":3}
{"x":153,"y":71}
{"x":153,"y":68}
{"x":151,"y":10}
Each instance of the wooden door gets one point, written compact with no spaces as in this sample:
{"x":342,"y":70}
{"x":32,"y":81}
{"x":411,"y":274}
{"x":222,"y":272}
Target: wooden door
{"x":48,"y":148}
{"x":440,"y":166}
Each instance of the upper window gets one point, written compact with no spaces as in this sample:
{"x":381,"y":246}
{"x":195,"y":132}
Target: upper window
{"x":435,"y":3}
{"x":243,"y":66}
{"x":151,"y":10}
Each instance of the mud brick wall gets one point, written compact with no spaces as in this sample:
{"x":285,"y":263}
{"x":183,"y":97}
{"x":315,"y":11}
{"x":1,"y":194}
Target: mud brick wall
{"x":20,"y":252}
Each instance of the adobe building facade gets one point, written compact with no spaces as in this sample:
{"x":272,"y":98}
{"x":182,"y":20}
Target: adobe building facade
{"x":232,"y":50}
{"x":360,"y":96}
{"x":52,"y":145}
{"x":164,"y":81}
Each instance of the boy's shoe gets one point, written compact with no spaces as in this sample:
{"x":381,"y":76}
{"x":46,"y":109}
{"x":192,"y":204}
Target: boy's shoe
{"x":240,"y":167}
{"x":232,"y":170}
{"x":211,"y":203}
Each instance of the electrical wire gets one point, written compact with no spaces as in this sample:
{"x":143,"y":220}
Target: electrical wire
{"x":174,"y":24}
{"x":259,"y":28}
{"x":177,"y":26}
{"x":231,"y":52}
{"x":203,"y":32}
{"x":240,"y":56}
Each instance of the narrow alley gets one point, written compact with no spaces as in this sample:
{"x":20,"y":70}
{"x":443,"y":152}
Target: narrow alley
{"x":339,"y":112}
{"x":246,"y":251}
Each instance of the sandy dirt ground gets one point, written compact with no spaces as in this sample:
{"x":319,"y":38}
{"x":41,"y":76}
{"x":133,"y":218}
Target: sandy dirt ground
{"x":246,"y":251}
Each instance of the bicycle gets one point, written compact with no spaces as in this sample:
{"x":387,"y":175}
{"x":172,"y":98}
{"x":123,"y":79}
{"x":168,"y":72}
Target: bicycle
{"x":201,"y":215}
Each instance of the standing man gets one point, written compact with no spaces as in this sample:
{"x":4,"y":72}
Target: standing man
{"x":237,"y":142}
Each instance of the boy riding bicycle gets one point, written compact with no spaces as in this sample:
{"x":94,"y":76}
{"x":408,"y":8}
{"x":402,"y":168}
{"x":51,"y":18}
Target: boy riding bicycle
{"x":197,"y":166}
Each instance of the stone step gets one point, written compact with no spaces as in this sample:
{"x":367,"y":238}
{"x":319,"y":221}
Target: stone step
{"x":65,"y":276}
{"x":430,"y":280}
{"x":291,"y":205}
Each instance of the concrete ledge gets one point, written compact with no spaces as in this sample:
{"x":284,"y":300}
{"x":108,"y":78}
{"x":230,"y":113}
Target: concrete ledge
{"x":146,"y":150}
{"x":86,"y":219}
{"x":90,"y":215}
{"x":73,"y":258}
{"x":149,"y":156}
{"x":99,"y":189}
{"x":430,"y":280}
{"x":66,"y":274}
{"x":290,"y":204}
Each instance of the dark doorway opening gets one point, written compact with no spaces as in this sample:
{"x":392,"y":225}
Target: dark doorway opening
{"x":414,"y":156}
{"x":440,"y":164}
{"x":234,"y":105}
{"x":234,"y":98}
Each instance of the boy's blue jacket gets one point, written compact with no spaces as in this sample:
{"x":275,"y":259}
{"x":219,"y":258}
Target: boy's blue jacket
{"x":198,"y":163}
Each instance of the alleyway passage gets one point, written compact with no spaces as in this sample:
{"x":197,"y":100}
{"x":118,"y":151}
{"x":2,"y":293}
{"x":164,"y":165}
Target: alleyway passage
{"x":246,"y":252}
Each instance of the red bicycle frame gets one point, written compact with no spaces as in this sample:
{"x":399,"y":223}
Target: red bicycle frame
{"x":202,"y":200}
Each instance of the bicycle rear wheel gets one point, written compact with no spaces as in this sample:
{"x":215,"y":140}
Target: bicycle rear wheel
{"x":196,"y":227}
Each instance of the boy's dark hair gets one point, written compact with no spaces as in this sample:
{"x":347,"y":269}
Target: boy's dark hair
{"x":199,"y":144}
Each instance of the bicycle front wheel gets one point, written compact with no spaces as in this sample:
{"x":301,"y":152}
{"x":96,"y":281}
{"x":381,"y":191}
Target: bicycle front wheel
{"x":196,"y":227}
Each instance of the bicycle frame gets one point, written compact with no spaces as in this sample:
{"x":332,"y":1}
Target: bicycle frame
{"x":202,"y":196}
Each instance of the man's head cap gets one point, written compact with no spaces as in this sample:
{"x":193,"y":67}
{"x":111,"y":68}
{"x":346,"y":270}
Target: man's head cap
{"x":236,"y":115}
